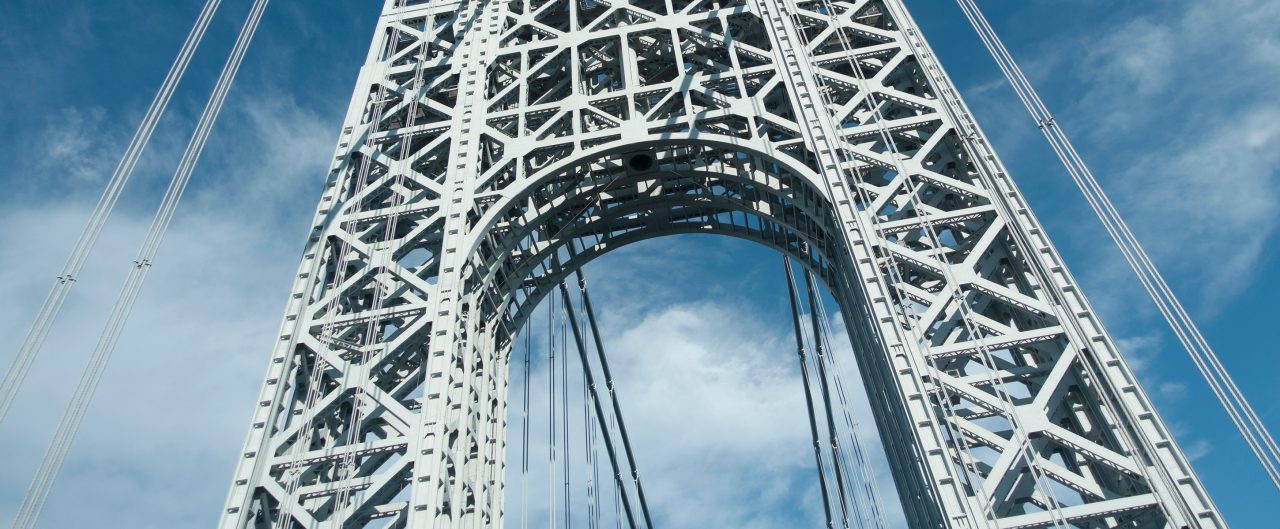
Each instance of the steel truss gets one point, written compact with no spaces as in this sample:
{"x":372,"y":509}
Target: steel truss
{"x":492,"y":148}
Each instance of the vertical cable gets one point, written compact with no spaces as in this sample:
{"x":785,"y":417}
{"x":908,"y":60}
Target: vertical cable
{"x":613,"y":396}
{"x":820,"y":360}
{"x":808,"y":393}
{"x":595,"y":399}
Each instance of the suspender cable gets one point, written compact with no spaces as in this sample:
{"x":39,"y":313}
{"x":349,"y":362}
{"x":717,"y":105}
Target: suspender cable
{"x":820,"y":353}
{"x":808,"y":393}
{"x":48,"y":313}
{"x":551,"y":415}
{"x":55,"y":455}
{"x":373,"y":329}
{"x":595,"y":399}
{"x":613,"y":396}
{"x":524,"y":446}
{"x":870,"y":491}
{"x":589,"y":445}
{"x":564,"y":414}
{"x":1224,"y":388}
{"x":593,"y":458}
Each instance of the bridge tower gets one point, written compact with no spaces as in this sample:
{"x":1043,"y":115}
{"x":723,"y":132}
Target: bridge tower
{"x":492,"y":147}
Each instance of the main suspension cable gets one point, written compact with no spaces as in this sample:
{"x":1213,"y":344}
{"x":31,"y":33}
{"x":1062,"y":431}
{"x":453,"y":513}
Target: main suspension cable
{"x":1207,"y":362}
{"x":70,"y":272}
{"x":50,"y":465}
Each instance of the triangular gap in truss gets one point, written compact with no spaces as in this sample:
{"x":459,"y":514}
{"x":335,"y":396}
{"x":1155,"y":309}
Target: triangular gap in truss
{"x":747,"y":29}
{"x":396,"y":148}
{"x":869,"y":64}
{"x":909,"y":77}
{"x":778,"y":103}
{"x":356,"y":296}
{"x":441,"y":86}
{"x":775,"y":132}
{"x":998,"y":267}
{"x":444,"y":26}
{"x":614,"y":109}
{"x":703,"y":56}
{"x":544,"y":156}
{"x":839,"y":93}
{"x":711,"y":26}
{"x":622,"y":16}
{"x":551,"y":82}
{"x":749,"y":60}
{"x":525,"y":34}
{"x":590,"y":10}
{"x":362,"y":171}
{"x":875,"y":14}
{"x":433,"y":164}
{"x":600,"y":66}
{"x":499,"y":179}
{"x":553,"y":14}
{"x":504,"y":78}
{"x":811,"y":27}
{"x":404,"y":40}
{"x":736,"y":126}
{"x":949,"y":159}
{"x":755,"y":82}
{"x":708,"y":100}
{"x":535,"y":120}
{"x":665,"y":105}
{"x":846,"y":40}
{"x":655,"y":57}
{"x":593,"y":121}
{"x":490,"y":151}
{"x":509,"y":126}
{"x":958,"y":237}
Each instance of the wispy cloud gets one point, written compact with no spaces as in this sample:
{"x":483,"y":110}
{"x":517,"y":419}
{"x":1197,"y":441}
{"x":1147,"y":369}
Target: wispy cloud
{"x":713,"y":398}
{"x":1191,"y":127}
{"x":161,"y":440}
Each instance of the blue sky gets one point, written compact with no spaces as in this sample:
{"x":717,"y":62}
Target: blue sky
{"x":1172,"y":102}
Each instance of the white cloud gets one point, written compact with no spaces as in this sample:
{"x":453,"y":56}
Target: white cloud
{"x":1200,"y":181}
{"x":1173,"y":109}
{"x":158,"y":447}
{"x":1211,"y":205}
{"x":72,"y":146}
{"x":712,"y":396}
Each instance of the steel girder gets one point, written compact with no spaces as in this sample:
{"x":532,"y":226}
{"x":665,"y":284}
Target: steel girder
{"x":493,"y":147}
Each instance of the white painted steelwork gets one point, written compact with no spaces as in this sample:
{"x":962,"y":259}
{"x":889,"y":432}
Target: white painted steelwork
{"x":491,"y":148}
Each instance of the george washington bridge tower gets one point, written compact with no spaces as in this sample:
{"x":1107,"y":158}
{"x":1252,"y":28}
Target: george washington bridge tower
{"x":493,"y":147}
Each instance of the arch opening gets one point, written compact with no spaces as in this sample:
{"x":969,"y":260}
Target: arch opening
{"x":707,"y":373}
{"x":576,"y":213}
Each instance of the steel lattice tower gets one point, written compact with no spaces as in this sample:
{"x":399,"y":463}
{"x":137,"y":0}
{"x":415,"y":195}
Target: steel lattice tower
{"x":494,"y":146}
